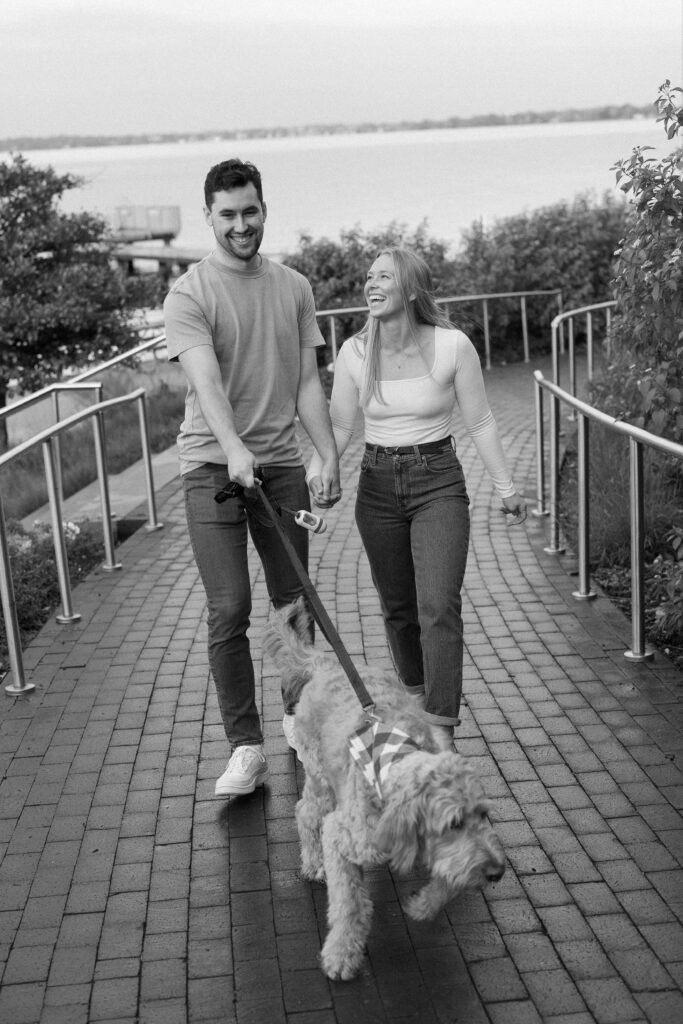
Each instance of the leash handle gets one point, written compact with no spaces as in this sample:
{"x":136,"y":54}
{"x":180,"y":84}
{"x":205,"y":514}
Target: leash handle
{"x":317,"y":608}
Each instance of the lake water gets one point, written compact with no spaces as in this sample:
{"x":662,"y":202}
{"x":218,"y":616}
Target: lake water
{"x":324,"y":184}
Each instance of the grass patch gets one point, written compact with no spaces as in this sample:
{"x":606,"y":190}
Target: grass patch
{"x":23,"y":481}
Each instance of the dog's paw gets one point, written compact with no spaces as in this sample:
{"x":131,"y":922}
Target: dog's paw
{"x":341,"y":961}
{"x":313,"y":872}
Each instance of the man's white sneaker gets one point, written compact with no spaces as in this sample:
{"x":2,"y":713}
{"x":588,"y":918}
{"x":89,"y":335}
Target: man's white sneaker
{"x":288,"y":730}
{"x":247,"y":769}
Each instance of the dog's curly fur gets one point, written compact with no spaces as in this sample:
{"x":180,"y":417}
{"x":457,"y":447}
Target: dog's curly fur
{"x":433,"y":814}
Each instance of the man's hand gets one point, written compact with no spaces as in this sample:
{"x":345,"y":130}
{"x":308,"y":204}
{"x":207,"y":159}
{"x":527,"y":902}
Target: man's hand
{"x":241,"y":466}
{"x":324,"y":494}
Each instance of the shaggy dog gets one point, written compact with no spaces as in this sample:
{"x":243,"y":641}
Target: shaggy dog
{"x":426,"y":808}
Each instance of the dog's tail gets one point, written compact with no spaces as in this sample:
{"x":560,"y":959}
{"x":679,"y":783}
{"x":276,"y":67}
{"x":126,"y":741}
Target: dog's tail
{"x":287,"y":640}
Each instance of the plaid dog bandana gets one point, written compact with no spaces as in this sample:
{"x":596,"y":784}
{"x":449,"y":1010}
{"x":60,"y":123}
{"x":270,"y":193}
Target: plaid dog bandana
{"x":375,"y":747}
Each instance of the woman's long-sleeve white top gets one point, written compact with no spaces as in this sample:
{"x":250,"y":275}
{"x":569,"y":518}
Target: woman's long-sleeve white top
{"x":421,"y":409}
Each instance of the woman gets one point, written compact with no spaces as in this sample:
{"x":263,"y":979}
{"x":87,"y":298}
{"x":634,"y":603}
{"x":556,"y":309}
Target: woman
{"x":406,"y":371}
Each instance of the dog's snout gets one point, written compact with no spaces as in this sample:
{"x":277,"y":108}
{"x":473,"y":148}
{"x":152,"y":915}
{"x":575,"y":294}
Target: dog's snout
{"x":495,"y":872}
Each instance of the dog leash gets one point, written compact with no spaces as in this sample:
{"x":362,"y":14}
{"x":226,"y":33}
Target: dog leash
{"x":315,"y":604}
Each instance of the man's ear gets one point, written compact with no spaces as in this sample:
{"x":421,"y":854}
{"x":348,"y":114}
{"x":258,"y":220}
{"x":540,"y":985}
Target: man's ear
{"x":265,"y":209}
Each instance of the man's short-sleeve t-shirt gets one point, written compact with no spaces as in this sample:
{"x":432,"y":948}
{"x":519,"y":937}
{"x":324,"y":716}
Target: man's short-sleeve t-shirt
{"x":257,"y":321}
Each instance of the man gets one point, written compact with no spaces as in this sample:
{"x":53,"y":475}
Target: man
{"x":245,"y":333}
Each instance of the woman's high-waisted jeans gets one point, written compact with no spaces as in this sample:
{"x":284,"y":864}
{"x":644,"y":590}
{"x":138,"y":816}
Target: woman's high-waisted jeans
{"x":218,"y":533}
{"x":412,"y":512}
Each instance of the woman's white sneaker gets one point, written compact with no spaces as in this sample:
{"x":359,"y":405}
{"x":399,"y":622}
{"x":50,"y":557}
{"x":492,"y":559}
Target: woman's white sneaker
{"x":247,"y":769}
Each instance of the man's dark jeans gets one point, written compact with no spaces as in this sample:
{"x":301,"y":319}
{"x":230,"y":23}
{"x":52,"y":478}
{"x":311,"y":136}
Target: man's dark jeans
{"x":218,"y":533}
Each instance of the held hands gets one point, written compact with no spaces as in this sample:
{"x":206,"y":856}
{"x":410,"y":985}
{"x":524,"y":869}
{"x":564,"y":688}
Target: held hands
{"x":514,"y":507}
{"x":324,"y":495}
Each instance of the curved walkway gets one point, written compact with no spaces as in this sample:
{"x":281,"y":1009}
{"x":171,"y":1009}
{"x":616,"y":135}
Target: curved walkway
{"x":129,"y":894}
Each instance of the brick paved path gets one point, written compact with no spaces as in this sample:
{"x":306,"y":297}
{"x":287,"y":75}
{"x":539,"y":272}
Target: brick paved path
{"x":129,"y":894}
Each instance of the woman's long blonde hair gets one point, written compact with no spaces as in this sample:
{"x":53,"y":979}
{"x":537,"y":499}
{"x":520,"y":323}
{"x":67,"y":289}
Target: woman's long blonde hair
{"x":414,"y":279}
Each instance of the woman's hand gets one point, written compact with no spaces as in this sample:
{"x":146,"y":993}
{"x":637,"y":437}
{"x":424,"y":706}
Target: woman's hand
{"x":318,"y":496}
{"x":515,"y":508}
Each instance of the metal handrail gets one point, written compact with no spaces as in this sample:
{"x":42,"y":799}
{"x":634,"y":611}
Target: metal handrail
{"x":331,"y":314}
{"x":445,"y":301}
{"x":47,"y":438}
{"x":557,"y":331}
{"x":122,"y":357}
{"x":52,"y":391}
{"x":638,"y":439}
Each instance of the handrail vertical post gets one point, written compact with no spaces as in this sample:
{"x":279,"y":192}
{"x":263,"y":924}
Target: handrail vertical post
{"x":553,"y":547}
{"x":525,"y":328}
{"x":589,"y":345}
{"x":61,"y":560}
{"x":540,"y":509}
{"x":333,"y":339}
{"x":555,"y":355}
{"x":572,"y":366}
{"x":57,"y":447}
{"x":19,"y":685}
{"x":608,"y":330}
{"x":487,"y":336}
{"x":584,"y":593}
{"x":153,"y":523}
{"x":638,"y":650}
{"x":107,"y":530}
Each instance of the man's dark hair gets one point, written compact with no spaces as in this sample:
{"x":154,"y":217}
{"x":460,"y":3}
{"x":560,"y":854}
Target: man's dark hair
{"x":231,"y":174}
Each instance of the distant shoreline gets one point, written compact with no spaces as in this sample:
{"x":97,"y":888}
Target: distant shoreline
{"x":610,"y":112}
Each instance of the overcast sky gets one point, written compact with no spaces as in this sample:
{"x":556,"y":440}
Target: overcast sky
{"x":119,"y":66}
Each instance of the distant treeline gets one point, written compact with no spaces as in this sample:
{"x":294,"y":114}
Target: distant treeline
{"x":612,"y":112}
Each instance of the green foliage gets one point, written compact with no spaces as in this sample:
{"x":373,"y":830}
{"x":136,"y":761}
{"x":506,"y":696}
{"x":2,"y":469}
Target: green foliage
{"x":644,"y":378}
{"x":667,"y":587}
{"x":567,"y":245}
{"x":34,"y":571}
{"x":337,"y":270}
{"x":63,"y":303}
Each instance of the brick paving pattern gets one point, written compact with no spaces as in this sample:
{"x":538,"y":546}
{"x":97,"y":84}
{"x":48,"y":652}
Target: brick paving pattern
{"x":128,"y":893}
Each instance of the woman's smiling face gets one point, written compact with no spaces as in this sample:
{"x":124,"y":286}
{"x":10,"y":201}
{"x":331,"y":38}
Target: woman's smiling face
{"x":382,"y":291}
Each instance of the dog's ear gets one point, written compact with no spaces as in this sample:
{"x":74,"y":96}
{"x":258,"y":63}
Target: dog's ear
{"x":397,"y":834}
{"x":298,"y":618}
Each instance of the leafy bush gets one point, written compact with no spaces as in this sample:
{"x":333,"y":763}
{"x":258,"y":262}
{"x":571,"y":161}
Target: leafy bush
{"x":640,"y":380}
{"x":337,"y":270}
{"x":62,"y":302}
{"x":567,"y":245}
{"x":34,"y":571}
{"x":667,"y":588}
{"x":643,"y":382}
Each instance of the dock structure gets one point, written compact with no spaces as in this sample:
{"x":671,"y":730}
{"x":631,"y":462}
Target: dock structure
{"x":146,"y":223}
{"x":138,"y":230}
{"x":171,"y":260}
